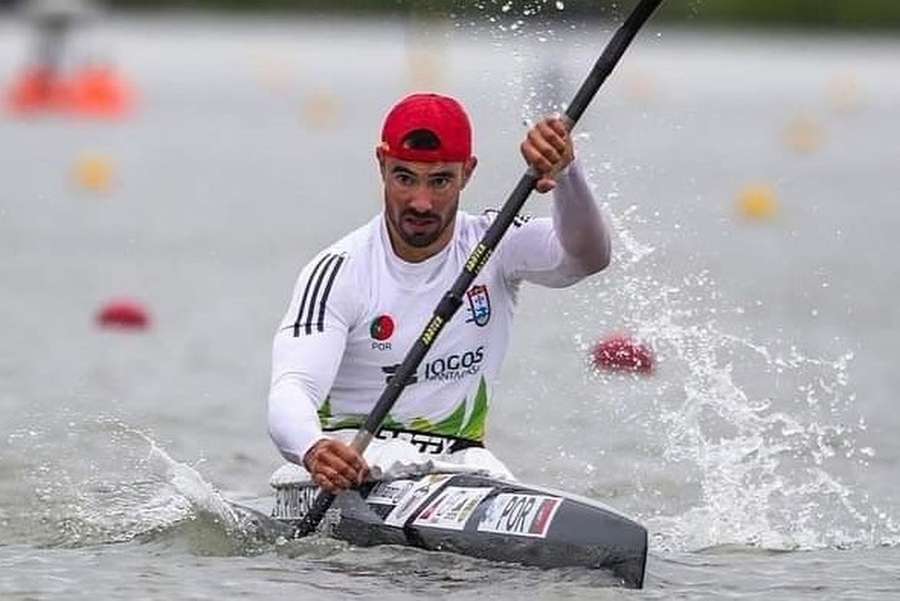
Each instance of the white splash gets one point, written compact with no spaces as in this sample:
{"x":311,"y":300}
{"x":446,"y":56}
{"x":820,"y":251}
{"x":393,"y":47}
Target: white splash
{"x":761,"y":429}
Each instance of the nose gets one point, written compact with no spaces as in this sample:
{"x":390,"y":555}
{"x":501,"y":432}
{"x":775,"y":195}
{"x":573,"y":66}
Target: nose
{"x":421,"y":200}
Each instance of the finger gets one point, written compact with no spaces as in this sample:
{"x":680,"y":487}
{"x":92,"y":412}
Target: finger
{"x":554,"y":133}
{"x":544,"y":185}
{"x":540,"y":144}
{"x":325,"y":484}
{"x":350,"y":456}
{"x":336,"y":478}
{"x":559,"y":126}
{"x":534,"y":158}
{"x":341,"y":467}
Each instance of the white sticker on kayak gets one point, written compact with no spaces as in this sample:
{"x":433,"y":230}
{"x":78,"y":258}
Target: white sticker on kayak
{"x":389,"y":493}
{"x":414,"y":497}
{"x":452,"y":508}
{"x":520,"y":514}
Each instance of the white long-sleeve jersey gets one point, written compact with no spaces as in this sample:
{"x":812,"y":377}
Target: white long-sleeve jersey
{"x":357,"y":309}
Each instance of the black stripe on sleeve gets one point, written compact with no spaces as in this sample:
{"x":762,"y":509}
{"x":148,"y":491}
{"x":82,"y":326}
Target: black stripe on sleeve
{"x":309,"y":282}
{"x":320,"y":325}
{"x":311,"y":307}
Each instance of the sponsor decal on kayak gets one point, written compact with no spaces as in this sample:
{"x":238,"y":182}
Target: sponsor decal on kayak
{"x":452,"y":508}
{"x":414,"y":498}
{"x":479,"y":305}
{"x":389,"y":493}
{"x":292,"y":503}
{"x":520,"y":515}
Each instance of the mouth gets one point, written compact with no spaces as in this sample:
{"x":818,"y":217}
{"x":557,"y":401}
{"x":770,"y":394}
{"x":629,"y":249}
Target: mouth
{"x":420,"y":224}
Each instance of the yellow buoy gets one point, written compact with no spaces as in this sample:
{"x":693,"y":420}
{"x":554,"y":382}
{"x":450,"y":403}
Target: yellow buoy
{"x":94,"y":172}
{"x":844,"y":93}
{"x":758,"y":202}
{"x":803,"y":134}
{"x":321,"y":110}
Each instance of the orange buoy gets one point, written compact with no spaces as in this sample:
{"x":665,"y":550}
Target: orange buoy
{"x":803,"y":134}
{"x":621,"y":352}
{"x":98,"y":91}
{"x":37,"y":89}
{"x":123,"y":314}
{"x":94,"y":172}
{"x":758,"y":202}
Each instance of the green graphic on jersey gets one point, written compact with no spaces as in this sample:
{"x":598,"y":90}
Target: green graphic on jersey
{"x":455,"y":424}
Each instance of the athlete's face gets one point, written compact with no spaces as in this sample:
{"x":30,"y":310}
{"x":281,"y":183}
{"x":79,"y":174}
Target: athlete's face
{"x":421,"y":200}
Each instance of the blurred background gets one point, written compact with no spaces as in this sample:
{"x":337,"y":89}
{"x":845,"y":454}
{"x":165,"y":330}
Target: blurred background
{"x":167,"y":168}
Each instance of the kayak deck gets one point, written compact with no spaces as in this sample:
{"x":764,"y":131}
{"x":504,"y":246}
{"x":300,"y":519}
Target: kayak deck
{"x":482,"y":517}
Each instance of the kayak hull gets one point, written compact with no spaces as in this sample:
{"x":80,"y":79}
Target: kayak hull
{"x":482,"y":517}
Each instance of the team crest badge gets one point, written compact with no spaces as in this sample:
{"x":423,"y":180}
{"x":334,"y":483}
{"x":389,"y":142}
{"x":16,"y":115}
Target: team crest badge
{"x":479,"y":305}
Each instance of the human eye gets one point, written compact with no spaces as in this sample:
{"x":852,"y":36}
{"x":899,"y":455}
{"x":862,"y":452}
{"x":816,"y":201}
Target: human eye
{"x":404,"y":179}
{"x":441,"y":182}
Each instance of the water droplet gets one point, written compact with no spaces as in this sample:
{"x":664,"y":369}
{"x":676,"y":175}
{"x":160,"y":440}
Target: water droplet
{"x":560,"y":5}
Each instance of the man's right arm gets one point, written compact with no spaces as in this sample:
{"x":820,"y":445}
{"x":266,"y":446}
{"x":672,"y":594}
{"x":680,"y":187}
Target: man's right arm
{"x":303,"y":370}
{"x":306,"y":354}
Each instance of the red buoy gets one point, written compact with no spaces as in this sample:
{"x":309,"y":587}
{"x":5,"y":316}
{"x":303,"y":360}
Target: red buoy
{"x":98,"y":91}
{"x":37,"y":89}
{"x":621,"y":352}
{"x":123,"y":314}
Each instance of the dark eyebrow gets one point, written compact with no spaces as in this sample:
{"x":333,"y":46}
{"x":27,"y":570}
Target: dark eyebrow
{"x":402,"y":169}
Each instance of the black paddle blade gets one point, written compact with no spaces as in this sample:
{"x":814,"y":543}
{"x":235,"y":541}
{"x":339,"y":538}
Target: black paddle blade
{"x":311,"y":520}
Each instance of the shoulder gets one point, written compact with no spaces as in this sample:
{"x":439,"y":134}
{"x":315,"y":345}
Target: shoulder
{"x":348,"y":251}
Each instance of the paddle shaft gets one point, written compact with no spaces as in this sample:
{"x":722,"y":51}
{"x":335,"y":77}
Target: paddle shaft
{"x":453,"y":298}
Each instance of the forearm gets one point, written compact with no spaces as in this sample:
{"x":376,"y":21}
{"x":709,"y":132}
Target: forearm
{"x":303,"y":371}
{"x":293,"y":420}
{"x":579,"y":224}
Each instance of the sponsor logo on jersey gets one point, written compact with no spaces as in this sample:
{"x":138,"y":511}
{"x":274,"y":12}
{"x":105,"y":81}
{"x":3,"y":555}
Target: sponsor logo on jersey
{"x":479,"y":305}
{"x":391,"y":370}
{"x":426,"y":444}
{"x":380,"y":330}
{"x":454,"y":366}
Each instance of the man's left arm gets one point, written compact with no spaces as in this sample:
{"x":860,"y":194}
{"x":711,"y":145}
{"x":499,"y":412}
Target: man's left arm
{"x":575,"y":241}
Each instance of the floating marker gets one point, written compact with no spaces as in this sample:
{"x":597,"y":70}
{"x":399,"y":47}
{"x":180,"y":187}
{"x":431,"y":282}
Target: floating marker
{"x":621,"y":352}
{"x":94,"y":173}
{"x":35,"y":90}
{"x":123,"y":314}
{"x":803,"y":135}
{"x":320,"y":110}
{"x":98,"y":91}
{"x":758,"y":202}
{"x":844,"y":93}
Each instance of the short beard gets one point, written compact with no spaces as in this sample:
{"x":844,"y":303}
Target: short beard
{"x":420,"y":240}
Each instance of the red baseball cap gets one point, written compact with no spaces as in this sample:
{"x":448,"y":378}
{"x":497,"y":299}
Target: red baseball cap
{"x":440,"y":115}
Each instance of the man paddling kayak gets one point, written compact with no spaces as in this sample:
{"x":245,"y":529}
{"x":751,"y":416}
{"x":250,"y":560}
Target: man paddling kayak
{"x":359,"y":305}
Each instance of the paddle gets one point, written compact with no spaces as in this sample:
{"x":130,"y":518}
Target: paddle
{"x":452,"y":299}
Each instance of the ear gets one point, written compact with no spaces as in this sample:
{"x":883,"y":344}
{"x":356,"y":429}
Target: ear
{"x":379,"y":156}
{"x":468,"y":169}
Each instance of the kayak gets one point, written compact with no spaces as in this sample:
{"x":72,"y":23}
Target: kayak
{"x":474,"y":514}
